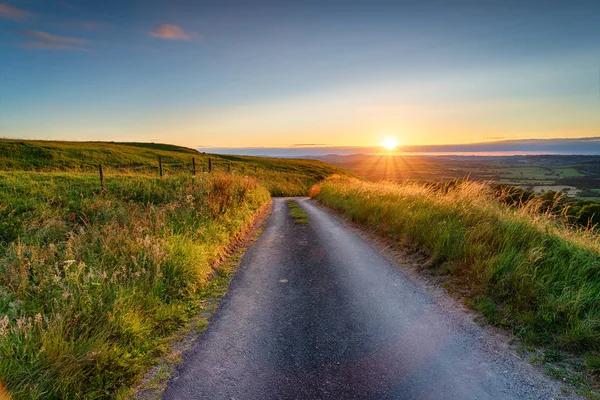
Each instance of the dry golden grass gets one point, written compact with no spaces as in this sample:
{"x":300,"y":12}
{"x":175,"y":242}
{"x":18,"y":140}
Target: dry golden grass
{"x":522,"y":269}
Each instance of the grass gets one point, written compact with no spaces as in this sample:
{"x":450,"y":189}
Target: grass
{"x":92,"y":284}
{"x":299,"y":216}
{"x":155,"y":382}
{"x":282,"y":177}
{"x":38,"y":155}
{"x":523,"y":270}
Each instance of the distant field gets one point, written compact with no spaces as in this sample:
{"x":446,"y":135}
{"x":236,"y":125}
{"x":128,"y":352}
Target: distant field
{"x":283,"y":177}
{"x":580,"y":174}
{"x":570,"y":191}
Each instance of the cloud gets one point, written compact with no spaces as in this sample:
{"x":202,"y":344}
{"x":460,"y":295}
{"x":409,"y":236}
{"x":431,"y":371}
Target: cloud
{"x":169,"y":32}
{"x":13,"y":13}
{"x":48,"y":37}
{"x":88,"y":25}
{"x":47,"y":41}
{"x":50,"y":46}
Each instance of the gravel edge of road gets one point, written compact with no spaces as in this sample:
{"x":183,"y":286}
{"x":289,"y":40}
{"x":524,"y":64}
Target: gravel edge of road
{"x":154,"y":382}
{"x":497,"y":340}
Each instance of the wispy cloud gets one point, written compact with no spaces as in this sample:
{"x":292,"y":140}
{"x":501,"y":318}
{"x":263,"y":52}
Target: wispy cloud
{"x":48,"y":37}
{"x":50,"y":46}
{"x":169,"y":32}
{"x":47,"y":41}
{"x":13,"y":13}
{"x":87,"y":25}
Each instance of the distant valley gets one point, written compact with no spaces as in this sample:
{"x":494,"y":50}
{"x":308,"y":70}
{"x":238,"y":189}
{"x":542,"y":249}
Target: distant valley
{"x":576,"y":176}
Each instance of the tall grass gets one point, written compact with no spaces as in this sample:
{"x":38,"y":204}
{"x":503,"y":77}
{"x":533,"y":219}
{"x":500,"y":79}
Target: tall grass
{"x":522,"y":269}
{"x":91,"y":283}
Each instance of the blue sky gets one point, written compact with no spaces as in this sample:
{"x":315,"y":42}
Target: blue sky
{"x":278,"y":73}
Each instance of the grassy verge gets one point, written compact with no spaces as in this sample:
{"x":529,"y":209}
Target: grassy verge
{"x":522,"y":270}
{"x":299,"y":216}
{"x":92,"y":284}
{"x":154,"y":383}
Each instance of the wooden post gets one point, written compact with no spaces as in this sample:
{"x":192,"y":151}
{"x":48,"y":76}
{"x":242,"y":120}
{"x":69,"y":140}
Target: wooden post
{"x":209,"y":165}
{"x":228,"y":167}
{"x":255,"y":169}
{"x":193,"y":166}
{"x":160,"y":166}
{"x":101,"y":177}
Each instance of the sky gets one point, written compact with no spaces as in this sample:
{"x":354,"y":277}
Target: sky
{"x":573,"y":146}
{"x":287,"y":73}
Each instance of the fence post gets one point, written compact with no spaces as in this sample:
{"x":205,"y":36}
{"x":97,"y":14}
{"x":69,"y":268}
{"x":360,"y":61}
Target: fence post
{"x":193,"y":166}
{"x":255,"y":169}
{"x":160,"y":171}
{"x":209,"y":165}
{"x":101,"y":177}
{"x":228,"y":167}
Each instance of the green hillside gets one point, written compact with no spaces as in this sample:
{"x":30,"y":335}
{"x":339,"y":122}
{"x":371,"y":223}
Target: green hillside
{"x":52,"y":156}
{"x":283,"y":177}
{"x":101,"y":280}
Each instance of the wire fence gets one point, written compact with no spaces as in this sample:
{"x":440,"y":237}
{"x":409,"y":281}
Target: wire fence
{"x":162,"y":168}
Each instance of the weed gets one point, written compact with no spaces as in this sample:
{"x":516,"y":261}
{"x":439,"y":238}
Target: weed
{"x":554,"y":372}
{"x":592,"y":362}
{"x":489,"y":309}
{"x":299,"y":216}
{"x":553,"y":355}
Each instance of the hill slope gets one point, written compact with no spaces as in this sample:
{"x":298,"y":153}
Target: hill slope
{"x":100,"y":280}
{"x":283,"y":177}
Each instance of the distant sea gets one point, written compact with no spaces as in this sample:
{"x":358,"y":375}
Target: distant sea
{"x":309,"y":153}
{"x":566,"y":146}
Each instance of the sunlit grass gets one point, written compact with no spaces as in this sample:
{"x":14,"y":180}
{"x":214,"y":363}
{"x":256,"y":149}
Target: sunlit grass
{"x":524,"y":270}
{"x":92,"y":283}
{"x":299,"y":216}
{"x":283,"y":177}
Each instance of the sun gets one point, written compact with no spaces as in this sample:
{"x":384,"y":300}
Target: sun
{"x":390,"y":143}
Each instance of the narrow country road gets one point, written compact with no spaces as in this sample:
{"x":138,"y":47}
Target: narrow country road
{"x":315,"y":312}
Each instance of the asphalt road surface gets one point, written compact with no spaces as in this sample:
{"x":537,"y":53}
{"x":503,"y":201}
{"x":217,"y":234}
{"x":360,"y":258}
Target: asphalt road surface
{"x":316,"y":312}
